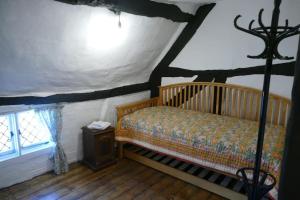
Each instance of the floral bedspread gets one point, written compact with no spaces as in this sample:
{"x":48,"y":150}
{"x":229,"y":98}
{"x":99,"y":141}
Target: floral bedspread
{"x":219,"y":139}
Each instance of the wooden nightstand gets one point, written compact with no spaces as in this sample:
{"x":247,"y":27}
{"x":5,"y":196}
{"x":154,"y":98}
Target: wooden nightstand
{"x":98,"y":147}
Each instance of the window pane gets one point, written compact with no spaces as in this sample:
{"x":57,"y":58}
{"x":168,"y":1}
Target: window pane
{"x":32,"y":130}
{"x":5,"y":136}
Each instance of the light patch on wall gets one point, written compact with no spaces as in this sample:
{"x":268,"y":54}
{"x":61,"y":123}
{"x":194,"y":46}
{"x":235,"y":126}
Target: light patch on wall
{"x":174,"y":80}
{"x":104,"y":32}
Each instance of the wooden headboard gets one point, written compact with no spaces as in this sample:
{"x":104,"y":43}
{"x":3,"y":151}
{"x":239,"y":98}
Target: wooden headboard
{"x":224,"y":99}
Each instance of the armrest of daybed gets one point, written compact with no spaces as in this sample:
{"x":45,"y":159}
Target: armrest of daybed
{"x":126,"y":109}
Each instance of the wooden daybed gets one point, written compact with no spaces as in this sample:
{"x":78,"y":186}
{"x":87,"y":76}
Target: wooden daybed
{"x":213,"y":125}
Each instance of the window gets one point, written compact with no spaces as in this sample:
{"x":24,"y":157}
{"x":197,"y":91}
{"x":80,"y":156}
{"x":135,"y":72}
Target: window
{"x":21,"y":133}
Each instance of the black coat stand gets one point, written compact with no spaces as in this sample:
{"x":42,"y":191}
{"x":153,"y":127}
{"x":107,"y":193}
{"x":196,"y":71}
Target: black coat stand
{"x":257,"y":186}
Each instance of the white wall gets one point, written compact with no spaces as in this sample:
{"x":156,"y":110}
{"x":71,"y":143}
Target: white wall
{"x":75,"y":116}
{"x":218,"y":45}
{"x":48,"y":47}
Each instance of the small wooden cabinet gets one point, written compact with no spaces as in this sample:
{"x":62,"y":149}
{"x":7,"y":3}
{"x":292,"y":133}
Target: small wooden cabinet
{"x":98,"y":147}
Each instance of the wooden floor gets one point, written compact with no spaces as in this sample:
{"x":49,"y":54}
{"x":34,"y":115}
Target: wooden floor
{"x":125,"y":180}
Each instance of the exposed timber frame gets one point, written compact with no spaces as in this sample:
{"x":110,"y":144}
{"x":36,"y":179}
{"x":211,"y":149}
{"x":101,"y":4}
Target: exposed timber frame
{"x":138,"y":7}
{"x":76,"y":97}
{"x":163,"y":69}
{"x":185,"y":36}
{"x":188,"y":32}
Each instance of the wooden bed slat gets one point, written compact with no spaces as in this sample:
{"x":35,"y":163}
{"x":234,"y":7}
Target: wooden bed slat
{"x":193,"y":169}
{"x":158,"y":157}
{"x":166,"y":160}
{"x":150,"y":154}
{"x":143,"y":152}
{"x":208,"y":182}
{"x":226,"y":181}
{"x":174,"y":163}
{"x":203,"y":173}
{"x":238,"y":186}
{"x":184,"y":166}
{"x":214,"y":177}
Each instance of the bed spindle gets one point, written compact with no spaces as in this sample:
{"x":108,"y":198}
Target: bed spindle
{"x":225,"y":99}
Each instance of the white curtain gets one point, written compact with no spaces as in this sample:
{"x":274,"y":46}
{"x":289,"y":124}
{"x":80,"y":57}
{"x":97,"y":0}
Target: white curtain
{"x":52,"y":118}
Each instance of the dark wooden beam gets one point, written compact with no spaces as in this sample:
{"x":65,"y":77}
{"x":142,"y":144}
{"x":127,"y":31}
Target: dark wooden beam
{"x":75,"y":97}
{"x":182,"y":40}
{"x":285,"y":69}
{"x":138,"y":7}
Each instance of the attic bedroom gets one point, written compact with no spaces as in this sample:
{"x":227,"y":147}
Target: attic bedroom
{"x":150,"y":99}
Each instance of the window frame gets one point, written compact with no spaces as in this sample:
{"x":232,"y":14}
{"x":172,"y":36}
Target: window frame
{"x":12,"y":139}
{"x":17,"y":149}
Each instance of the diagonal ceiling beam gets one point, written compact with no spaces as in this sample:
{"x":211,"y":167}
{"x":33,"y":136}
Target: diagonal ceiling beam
{"x":138,"y":7}
{"x":185,"y":36}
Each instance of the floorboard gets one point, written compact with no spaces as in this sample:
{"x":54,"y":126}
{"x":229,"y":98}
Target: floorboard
{"x":124,"y":181}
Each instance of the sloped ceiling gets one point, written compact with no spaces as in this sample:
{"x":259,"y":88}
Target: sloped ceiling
{"x":48,"y":47}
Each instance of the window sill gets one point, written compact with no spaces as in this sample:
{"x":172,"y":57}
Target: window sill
{"x":32,"y":150}
{"x":43,"y":150}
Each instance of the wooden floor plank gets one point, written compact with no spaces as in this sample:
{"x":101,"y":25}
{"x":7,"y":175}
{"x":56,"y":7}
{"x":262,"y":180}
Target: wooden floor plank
{"x":126,"y":185}
{"x":91,"y":182}
{"x":154,"y":191}
{"x":109,"y":185}
{"x":171,"y":191}
{"x":186,"y":193}
{"x":65,"y":185}
{"x":52,"y":181}
{"x":124,"y":181}
{"x":140,"y":188}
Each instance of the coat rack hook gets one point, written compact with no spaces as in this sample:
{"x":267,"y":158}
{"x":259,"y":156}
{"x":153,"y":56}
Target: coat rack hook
{"x":262,"y":24}
{"x":251,"y":24}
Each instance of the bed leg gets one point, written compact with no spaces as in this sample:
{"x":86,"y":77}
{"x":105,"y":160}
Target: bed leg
{"x":120,"y":150}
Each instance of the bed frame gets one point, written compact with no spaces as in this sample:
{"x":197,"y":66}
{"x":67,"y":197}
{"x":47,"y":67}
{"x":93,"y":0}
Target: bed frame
{"x":217,"y":98}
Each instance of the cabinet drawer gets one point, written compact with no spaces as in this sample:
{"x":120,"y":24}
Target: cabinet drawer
{"x":99,"y":147}
{"x":104,"y":147}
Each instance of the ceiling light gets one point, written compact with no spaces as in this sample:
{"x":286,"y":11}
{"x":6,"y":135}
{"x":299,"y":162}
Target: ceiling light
{"x":105,"y":31}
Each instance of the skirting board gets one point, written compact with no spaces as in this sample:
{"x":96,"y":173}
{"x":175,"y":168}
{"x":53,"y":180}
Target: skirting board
{"x":144,"y":157}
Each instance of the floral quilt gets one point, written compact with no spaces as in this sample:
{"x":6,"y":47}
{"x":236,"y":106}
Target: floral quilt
{"x":219,"y":139}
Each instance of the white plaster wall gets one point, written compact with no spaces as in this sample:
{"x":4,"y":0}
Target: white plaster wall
{"x":218,"y":45}
{"x":172,"y":80}
{"x":23,"y":168}
{"x":75,"y":116}
{"x":47,"y":47}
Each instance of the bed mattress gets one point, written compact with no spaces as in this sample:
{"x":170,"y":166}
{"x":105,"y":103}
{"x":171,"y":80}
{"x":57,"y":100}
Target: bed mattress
{"x":215,"y":141}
